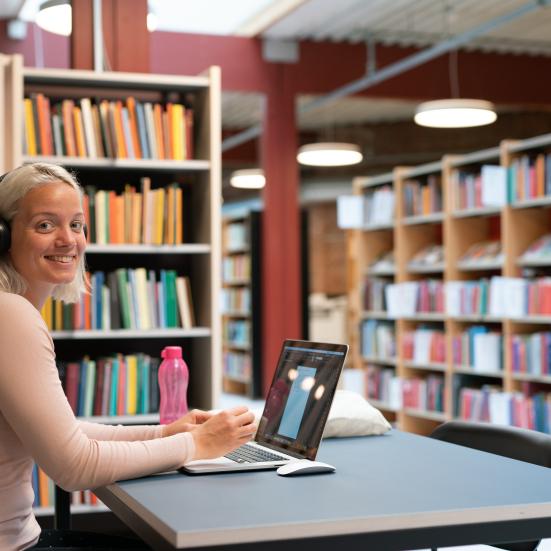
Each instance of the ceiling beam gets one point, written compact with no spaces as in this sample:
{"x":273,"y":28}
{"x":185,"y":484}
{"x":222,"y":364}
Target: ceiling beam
{"x":399,"y":67}
{"x":264,"y":19}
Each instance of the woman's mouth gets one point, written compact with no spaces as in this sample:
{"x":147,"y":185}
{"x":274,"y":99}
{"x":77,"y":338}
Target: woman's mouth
{"x":63,"y":259}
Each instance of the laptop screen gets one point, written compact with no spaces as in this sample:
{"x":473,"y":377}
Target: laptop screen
{"x":300,"y":397}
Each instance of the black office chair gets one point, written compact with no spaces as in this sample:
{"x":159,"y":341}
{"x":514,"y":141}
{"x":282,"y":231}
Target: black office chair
{"x":524,"y":445}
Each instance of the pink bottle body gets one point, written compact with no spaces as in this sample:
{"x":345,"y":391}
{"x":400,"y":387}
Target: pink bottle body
{"x":173,"y":382}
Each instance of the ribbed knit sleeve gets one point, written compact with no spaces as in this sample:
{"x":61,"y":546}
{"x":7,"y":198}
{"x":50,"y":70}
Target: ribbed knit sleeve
{"x":75,"y":455}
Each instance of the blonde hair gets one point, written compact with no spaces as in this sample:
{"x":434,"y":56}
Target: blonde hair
{"x":13,"y":187}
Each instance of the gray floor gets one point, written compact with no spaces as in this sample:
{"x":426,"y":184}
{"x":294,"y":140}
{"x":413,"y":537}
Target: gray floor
{"x":232,"y":400}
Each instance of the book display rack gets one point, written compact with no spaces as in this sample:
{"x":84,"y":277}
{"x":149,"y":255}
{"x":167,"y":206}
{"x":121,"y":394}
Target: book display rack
{"x":241,"y":303}
{"x":467,"y":297}
{"x":146,"y":149}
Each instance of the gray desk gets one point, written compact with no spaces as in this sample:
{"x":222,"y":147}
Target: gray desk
{"x":397,"y":491}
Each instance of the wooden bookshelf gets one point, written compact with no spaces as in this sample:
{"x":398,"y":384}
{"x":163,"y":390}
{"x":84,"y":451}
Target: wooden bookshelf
{"x":196,"y":173}
{"x":241,"y":309}
{"x":517,"y":225}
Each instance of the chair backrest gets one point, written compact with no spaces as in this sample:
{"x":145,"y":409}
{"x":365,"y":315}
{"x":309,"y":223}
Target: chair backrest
{"x":522,"y":444}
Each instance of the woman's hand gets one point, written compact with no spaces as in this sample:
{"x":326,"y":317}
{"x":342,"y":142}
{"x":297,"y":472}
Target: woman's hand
{"x":187,"y":422}
{"x":223,"y":432}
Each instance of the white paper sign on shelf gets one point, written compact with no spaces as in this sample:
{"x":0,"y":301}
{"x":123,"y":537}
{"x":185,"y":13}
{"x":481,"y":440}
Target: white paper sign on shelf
{"x":494,"y":185}
{"x":350,"y":212}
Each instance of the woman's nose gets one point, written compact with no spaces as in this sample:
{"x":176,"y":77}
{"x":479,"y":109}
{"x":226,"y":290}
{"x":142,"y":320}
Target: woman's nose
{"x":65,"y":236}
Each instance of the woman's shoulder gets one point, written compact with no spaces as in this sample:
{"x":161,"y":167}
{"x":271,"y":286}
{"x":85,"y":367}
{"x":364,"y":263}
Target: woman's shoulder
{"x":14,"y":307}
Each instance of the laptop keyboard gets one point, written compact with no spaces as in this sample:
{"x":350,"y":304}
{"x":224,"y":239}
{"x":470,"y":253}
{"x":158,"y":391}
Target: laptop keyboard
{"x":252,"y":454}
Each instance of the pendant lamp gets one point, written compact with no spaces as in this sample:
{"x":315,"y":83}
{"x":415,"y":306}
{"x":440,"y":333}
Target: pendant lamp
{"x":329,"y":154}
{"x":248,"y":178}
{"x":455,"y":113}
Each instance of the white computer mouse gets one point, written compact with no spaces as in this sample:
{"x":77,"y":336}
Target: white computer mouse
{"x":304,"y":466}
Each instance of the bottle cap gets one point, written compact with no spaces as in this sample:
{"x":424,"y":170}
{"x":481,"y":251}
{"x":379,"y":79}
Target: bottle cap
{"x":172,"y":353}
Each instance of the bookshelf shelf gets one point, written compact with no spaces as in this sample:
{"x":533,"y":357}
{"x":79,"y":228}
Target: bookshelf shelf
{"x":375,"y":272}
{"x":434,"y":218}
{"x":236,"y":282}
{"x":466,"y":370}
{"x":380,"y":361}
{"x":170,"y":166}
{"x":426,"y":414}
{"x":238,"y":250}
{"x":378,"y":227}
{"x":139,"y":419}
{"x":425,"y":366}
{"x":426,"y":316}
{"x":75,"y":510}
{"x":536,"y":320}
{"x":191,"y":248}
{"x":476,"y":318}
{"x":531,"y":203}
{"x":475,"y":212}
{"x":534,"y":263}
{"x":479,"y":266}
{"x":132,"y":334}
{"x":424,"y":269}
{"x":237,"y":346}
{"x":532,"y":378}
{"x":374,"y":315}
{"x":236,"y":314}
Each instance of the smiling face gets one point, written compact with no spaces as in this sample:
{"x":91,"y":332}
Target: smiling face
{"x":47,"y":238}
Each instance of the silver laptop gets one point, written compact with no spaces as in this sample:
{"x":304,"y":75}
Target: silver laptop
{"x":295,"y":413}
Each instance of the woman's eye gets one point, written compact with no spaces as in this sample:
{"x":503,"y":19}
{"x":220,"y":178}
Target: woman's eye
{"x":45,"y":226}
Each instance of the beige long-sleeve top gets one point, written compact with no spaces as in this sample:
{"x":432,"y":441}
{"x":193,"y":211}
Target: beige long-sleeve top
{"x":37,"y":423}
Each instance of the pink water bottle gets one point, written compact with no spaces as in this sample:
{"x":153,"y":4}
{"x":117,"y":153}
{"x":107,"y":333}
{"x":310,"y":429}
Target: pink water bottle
{"x":173,"y":382}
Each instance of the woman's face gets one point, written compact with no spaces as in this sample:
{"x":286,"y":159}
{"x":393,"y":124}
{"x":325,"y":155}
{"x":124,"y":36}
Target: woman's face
{"x":47,"y":238}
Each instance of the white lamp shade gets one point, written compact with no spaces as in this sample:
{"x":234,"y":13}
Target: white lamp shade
{"x":55,"y":16}
{"x":329,"y":154}
{"x":455,"y":113}
{"x":248,"y":178}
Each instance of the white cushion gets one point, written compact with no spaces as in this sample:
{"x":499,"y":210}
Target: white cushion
{"x":350,"y":415}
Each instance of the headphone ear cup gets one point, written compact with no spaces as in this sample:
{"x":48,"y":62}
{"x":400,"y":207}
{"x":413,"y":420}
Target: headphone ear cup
{"x":85,"y":230}
{"x":5,"y":237}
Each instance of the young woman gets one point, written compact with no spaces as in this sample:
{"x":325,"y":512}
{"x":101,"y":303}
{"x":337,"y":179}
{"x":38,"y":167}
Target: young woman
{"x":42,"y":242}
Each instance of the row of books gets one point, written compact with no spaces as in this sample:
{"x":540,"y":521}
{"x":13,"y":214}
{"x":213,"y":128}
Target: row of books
{"x":424,"y":346}
{"x":422,"y":198}
{"x":383,"y":264}
{"x":149,"y":216}
{"x":415,"y":297}
{"x":373,"y":294}
{"x":425,"y":394}
{"x":236,"y":299}
{"x":381,"y":384}
{"x":485,"y":252}
{"x":491,"y":404}
{"x":126,"y":299}
{"x":429,"y":256}
{"x":237,"y":332}
{"x":237,"y":366}
{"x":235,"y":236}
{"x":540,"y":249}
{"x":479,"y":349}
{"x":117,"y":385}
{"x":44,"y":491}
{"x":236,"y":267}
{"x":378,"y":340}
{"x":531,"y":353}
{"x":487,"y":188}
{"x":92,"y":128}
{"x":529,"y":177}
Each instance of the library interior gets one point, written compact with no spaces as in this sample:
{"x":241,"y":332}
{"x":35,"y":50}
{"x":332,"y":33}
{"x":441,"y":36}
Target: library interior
{"x":364,"y":172}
